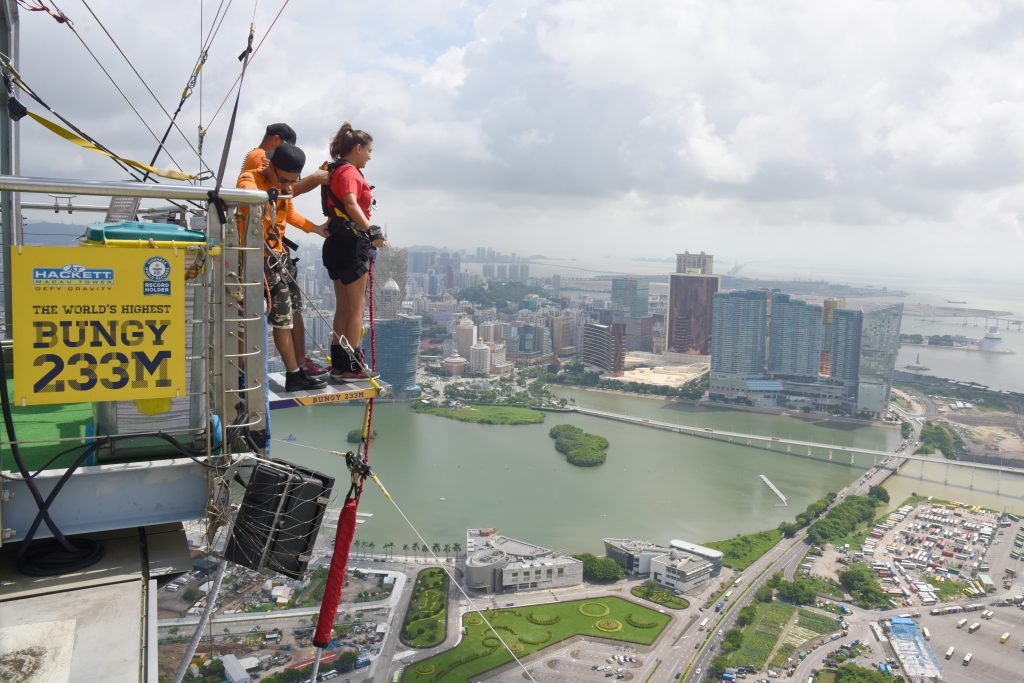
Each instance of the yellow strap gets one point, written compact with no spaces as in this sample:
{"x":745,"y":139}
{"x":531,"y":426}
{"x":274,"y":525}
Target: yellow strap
{"x":82,"y":142}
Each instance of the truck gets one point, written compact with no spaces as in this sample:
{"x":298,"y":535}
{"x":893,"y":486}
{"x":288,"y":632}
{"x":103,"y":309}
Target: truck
{"x":1003,"y":638}
{"x":704,"y":624}
{"x":720,"y":605}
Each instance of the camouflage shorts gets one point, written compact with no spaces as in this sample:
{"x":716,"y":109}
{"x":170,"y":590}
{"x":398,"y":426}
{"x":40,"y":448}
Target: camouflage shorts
{"x":285,"y":299}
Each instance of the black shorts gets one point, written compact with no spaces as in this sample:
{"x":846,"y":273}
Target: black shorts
{"x":347,"y":256}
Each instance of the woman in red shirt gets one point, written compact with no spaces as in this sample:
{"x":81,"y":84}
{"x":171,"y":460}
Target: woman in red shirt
{"x":346,"y":251}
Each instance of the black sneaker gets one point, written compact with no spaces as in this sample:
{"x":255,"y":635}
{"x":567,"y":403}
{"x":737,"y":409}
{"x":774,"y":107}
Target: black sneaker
{"x":368,"y":371}
{"x":298,"y":381}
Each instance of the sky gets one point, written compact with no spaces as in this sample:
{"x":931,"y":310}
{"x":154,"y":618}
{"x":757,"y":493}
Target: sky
{"x":796,"y":137}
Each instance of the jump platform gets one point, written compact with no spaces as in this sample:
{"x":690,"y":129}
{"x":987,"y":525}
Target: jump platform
{"x":334,"y":392}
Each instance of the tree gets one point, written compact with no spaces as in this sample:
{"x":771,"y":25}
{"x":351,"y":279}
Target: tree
{"x":435,"y":547}
{"x":456,"y":548}
{"x":599,"y":569}
{"x":447,"y":551}
{"x":415,"y":547}
{"x":405,"y":549}
{"x":764,"y":594}
{"x":880,"y":493}
{"x":732,"y":640}
{"x":718,"y":666}
{"x":747,"y":615}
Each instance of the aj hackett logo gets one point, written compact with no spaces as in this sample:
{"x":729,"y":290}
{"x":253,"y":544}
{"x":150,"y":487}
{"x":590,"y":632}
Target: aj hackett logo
{"x":73,"y":276}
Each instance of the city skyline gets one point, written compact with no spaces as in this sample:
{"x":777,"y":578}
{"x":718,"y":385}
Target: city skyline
{"x":760,"y":150}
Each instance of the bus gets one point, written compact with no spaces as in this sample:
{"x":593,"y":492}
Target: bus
{"x":961,"y":623}
{"x":1011,"y":572}
{"x":967,"y":659}
{"x":973,"y":627}
{"x":398,"y":675}
{"x":703,"y":624}
{"x":927,"y":634}
{"x":949,"y":652}
{"x":1003,"y":638}
{"x":728,"y":594}
{"x":738,"y":581}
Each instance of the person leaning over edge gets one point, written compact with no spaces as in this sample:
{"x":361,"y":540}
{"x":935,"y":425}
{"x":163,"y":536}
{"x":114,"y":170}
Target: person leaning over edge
{"x":285,"y":165}
{"x":346,"y":250}
{"x":256,"y":160}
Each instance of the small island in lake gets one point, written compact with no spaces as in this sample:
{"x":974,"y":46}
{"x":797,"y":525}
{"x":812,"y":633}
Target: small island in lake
{"x":579,"y":447}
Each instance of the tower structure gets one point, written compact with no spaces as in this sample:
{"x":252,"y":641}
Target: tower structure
{"x":690,"y":313}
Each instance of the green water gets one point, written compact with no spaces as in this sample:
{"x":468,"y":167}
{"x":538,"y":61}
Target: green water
{"x":655,"y":485}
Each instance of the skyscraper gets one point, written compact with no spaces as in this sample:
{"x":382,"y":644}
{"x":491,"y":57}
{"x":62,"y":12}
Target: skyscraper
{"x":690,"y":313}
{"x":698,"y":264}
{"x":604,"y":347}
{"x":846,"y":326}
{"x":738,"y":333}
{"x":828,"y":307}
{"x":879,"y":346}
{"x":397,"y":346}
{"x":795,"y":349}
{"x":630,"y":297}
{"x":389,"y":300}
{"x":465,"y":337}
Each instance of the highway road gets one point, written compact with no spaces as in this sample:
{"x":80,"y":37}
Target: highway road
{"x":787,"y":555}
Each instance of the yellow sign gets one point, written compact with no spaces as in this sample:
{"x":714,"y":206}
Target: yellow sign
{"x":97,"y":324}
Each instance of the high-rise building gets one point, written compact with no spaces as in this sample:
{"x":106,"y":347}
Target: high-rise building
{"x":828,"y":307}
{"x":389,"y":301}
{"x":604,"y":347}
{"x":561,"y":335}
{"x":422,"y":261}
{"x":795,"y":349}
{"x":697,"y":264}
{"x":740,"y":322}
{"x":397,"y":346}
{"x":639,"y":333}
{"x":630,"y":297}
{"x":480,"y":358}
{"x":879,"y":346}
{"x":465,"y":337}
{"x":846,"y":327}
{"x":390,"y":263}
{"x":487,"y":331}
{"x":690,"y":313}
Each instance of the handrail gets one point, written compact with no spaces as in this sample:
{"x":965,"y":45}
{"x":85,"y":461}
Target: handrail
{"x":115,"y":189}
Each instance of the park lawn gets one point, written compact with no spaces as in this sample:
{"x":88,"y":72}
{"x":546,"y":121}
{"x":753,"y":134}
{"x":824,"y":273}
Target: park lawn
{"x":529,"y":629}
{"x":760,"y":635}
{"x":741,"y":551}
{"x":427,"y":617}
{"x":661,"y":597}
{"x":481,"y":414}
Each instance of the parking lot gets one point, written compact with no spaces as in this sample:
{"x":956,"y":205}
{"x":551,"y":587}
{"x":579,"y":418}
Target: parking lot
{"x":578,"y":661}
{"x":990,"y":660}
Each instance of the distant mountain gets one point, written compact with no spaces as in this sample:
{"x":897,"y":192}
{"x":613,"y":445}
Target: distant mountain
{"x":45,"y":234}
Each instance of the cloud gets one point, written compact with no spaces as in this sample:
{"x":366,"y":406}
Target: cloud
{"x":553,"y":125}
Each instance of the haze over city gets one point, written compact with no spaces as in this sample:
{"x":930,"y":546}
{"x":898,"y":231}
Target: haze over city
{"x":855,"y":136}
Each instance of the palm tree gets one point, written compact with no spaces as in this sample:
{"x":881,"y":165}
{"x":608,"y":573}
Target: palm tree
{"x":372,"y":546}
{"x":447,"y":550}
{"x":415,"y":547}
{"x":387,"y":549}
{"x":405,"y":549}
{"x":456,"y":548}
{"x":436,"y":548}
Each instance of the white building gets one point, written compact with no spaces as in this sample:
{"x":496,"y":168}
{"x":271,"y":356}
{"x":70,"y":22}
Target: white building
{"x":480,"y":358}
{"x":499,"y":564}
{"x":680,"y":570}
{"x":465,"y":337}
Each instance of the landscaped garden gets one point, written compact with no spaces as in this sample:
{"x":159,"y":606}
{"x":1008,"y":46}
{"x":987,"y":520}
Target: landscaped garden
{"x":526,"y":630}
{"x":427,"y":616}
{"x":481,"y":414}
{"x":650,"y":590}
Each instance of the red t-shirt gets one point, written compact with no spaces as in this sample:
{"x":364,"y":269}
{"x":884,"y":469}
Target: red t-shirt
{"x":347,"y":179}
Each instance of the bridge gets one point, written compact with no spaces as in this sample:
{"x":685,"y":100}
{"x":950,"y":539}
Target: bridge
{"x":775,"y":443}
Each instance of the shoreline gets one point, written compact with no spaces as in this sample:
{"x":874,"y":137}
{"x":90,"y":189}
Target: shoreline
{"x":703,"y":403}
